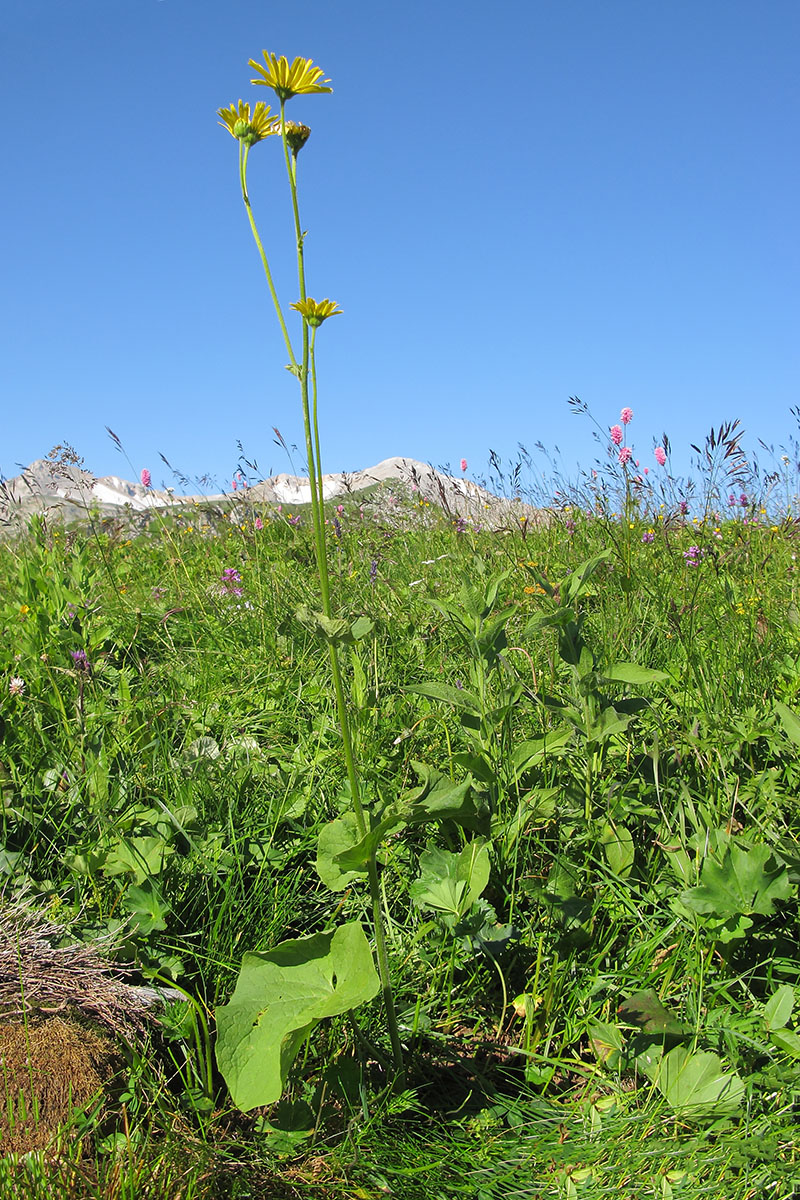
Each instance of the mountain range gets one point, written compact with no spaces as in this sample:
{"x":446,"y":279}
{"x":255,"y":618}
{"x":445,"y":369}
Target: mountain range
{"x":62,"y":487}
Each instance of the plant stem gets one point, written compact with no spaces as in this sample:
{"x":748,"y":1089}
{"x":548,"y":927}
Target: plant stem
{"x":311,"y":426}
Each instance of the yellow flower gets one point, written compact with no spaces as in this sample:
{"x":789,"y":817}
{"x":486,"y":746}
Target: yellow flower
{"x":317,"y":311}
{"x":248,"y":127}
{"x":24,"y":610}
{"x":299,"y":79}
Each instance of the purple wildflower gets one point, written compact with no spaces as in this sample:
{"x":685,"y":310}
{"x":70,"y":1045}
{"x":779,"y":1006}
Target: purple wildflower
{"x":146,"y":478}
{"x":80,"y":659}
{"x":649,"y":536}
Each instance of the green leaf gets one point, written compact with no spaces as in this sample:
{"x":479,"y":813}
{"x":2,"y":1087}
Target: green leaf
{"x":438,"y":799}
{"x":451,"y":883}
{"x":617,"y":843}
{"x":646,"y":1011}
{"x":457,"y":697}
{"x":695,"y":1085}
{"x":778,"y":1008}
{"x":626,"y":672}
{"x":574,"y":586}
{"x":743,"y":883}
{"x":786,"y":1040}
{"x":790,"y":722}
{"x":278,"y":999}
{"x":336,"y":838}
{"x":147,"y":907}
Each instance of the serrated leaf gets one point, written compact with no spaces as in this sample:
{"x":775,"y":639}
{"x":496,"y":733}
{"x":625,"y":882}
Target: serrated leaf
{"x":645,"y":1010}
{"x":451,"y":883}
{"x":278,"y":999}
{"x":695,"y":1084}
{"x":741,"y":884}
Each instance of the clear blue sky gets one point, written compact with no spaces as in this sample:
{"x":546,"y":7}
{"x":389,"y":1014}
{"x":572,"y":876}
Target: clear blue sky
{"x":512,"y":202}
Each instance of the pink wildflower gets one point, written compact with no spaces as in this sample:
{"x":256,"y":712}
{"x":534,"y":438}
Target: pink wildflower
{"x":340,"y":509}
{"x":661,"y":455}
{"x":234,"y":484}
{"x":616,"y":434}
{"x":259,"y":524}
{"x":146,"y":477}
{"x":626,"y":416}
{"x":16,"y":686}
{"x":463,"y":464}
{"x":625,"y":455}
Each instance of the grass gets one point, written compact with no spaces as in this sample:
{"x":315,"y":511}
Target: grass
{"x":166,"y":792}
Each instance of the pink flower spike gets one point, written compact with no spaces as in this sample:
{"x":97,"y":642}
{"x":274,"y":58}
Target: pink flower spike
{"x":647,"y":470}
{"x":259,"y":524}
{"x":625,"y":455}
{"x":234,"y":484}
{"x":661,"y":455}
{"x":616,"y":434}
{"x":463,"y":464}
{"x":146,"y":477}
{"x":626,"y":416}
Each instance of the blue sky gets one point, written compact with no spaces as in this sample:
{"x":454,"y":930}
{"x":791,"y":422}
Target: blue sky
{"x":512,"y":203}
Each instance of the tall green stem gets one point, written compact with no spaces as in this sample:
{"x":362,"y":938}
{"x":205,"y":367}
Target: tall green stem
{"x":311,"y":426}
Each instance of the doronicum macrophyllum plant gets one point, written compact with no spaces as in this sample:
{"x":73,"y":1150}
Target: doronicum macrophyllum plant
{"x":280,"y":996}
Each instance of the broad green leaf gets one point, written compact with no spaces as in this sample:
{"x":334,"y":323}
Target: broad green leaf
{"x":646,"y":1011}
{"x":146,"y":906}
{"x":625,"y":672}
{"x":459,"y":697}
{"x":574,"y":586}
{"x":361,"y":627}
{"x":335,"y":838}
{"x":528,"y":754}
{"x":606,"y":1041}
{"x":278,"y":999}
{"x":778,"y":1008}
{"x":743,"y":883}
{"x":437,"y":798}
{"x":451,"y":883}
{"x":786,"y":1040}
{"x":617,"y":843}
{"x":790,"y":722}
{"x":695,"y":1084}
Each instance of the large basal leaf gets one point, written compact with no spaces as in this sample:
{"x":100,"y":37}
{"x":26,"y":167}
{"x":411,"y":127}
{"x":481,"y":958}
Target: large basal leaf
{"x":278,"y":999}
{"x":746,"y":881}
{"x":695,"y":1085}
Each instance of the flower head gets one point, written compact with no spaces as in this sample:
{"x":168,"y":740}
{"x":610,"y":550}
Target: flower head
{"x":661,"y":455}
{"x":146,"y":478}
{"x":616,"y":434}
{"x":16,"y":686}
{"x":626,"y":416}
{"x":625,"y":455}
{"x":299,"y":79}
{"x":248,"y":127}
{"x":317,"y":311}
{"x":80,"y":659}
{"x":296,"y":136}
{"x":463,"y":464}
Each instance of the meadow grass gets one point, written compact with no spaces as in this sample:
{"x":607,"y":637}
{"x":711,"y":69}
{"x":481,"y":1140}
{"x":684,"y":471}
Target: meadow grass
{"x":171,"y":753}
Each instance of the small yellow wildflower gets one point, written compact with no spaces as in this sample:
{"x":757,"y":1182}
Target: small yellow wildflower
{"x":24,"y":610}
{"x":316,"y":311}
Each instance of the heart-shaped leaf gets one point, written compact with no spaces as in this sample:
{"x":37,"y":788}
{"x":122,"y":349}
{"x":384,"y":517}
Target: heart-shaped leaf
{"x":278,"y":999}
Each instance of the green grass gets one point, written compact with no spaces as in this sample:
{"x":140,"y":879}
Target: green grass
{"x":172,"y":794}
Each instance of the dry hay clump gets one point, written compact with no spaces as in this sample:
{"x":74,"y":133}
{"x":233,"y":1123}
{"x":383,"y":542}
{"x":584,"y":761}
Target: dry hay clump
{"x":48,"y":1069}
{"x":64,"y":1009}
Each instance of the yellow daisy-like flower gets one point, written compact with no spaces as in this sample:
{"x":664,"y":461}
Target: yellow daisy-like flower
{"x":317,"y":311}
{"x":248,"y":127}
{"x":299,"y":79}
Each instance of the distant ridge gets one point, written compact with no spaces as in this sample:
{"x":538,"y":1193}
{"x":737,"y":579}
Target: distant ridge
{"x":67,"y":490}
